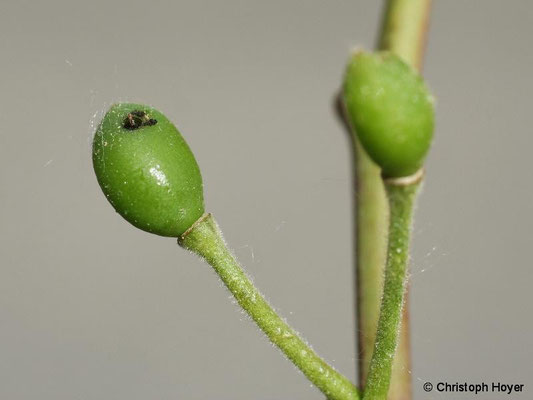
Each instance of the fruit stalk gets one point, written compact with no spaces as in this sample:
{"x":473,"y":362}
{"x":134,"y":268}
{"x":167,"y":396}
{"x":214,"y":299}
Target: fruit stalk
{"x":401,"y":199}
{"x":205,"y":239}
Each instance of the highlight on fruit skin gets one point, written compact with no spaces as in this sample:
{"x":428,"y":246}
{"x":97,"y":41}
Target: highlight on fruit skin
{"x":147,"y":171}
{"x":391,"y":110}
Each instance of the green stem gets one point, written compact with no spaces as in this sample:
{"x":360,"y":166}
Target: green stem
{"x":205,"y":239}
{"x":371,"y":249}
{"x":404,"y":33}
{"x":401,"y":199}
{"x":404,"y":29}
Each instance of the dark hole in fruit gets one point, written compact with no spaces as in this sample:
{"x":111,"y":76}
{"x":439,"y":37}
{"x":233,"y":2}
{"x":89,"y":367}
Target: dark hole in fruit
{"x":137,"y":119}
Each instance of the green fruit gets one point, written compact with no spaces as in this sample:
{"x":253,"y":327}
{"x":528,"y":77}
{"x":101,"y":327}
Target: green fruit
{"x":391,"y":110}
{"x":147,"y":171}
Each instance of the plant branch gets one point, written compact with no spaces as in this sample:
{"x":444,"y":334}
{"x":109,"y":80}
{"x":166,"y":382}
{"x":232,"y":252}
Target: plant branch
{"x":404,"y":29}
{"x":370,"y":251}
{"x":205,"y":239}
{"x":401,"y":199}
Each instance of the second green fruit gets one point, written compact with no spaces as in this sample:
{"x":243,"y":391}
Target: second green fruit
{"x":391,"y":110}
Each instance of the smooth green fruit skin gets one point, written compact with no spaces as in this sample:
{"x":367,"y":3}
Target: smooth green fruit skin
{"x":391,"y":110}
{"x":148,"y":174}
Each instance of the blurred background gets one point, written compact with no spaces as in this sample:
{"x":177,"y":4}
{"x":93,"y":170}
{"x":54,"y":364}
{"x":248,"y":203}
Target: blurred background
{"x":92,"y":308}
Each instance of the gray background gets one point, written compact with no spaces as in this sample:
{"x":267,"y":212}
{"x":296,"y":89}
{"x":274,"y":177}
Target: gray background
{"x":91,"y":308}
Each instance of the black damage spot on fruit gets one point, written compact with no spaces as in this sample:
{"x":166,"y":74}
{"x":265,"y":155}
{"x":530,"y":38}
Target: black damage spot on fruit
{"x":137,"y":119}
